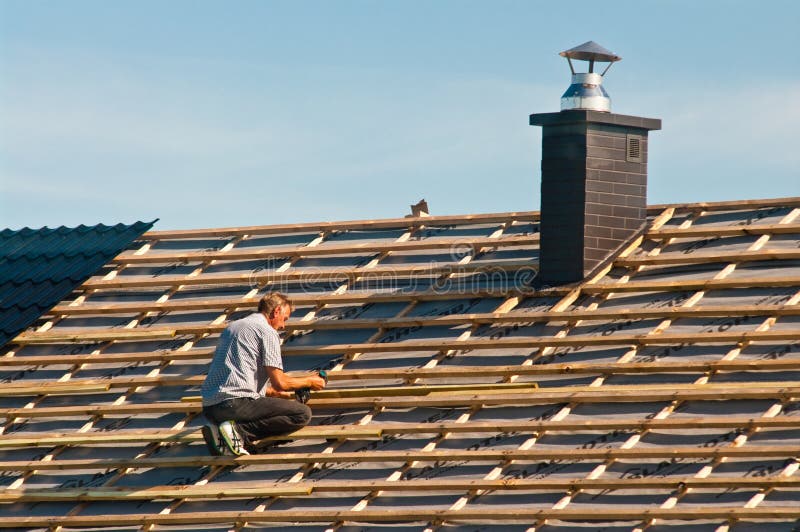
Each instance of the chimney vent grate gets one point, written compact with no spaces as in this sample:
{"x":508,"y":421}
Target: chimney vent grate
{"x":633,"y":148}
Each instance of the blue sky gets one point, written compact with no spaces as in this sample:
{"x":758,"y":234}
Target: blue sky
{"x":208,"y":114}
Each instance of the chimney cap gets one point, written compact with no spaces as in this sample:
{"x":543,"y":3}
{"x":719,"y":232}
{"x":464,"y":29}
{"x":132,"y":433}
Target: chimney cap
{"x":590,"y":51}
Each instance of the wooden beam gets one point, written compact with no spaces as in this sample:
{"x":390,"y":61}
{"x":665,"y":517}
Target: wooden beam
{"x":439,"y":372}
{"x":577,"y":368}
{"x":726,"y":337}
{"x":166,"y":436}
{"x":105,"y":358}
{"x":307,"y":275}
{"x":108,"y":335}
{"x":154,"y":333}
{"x":704,"y":258}
{"x":349,"y":225}
{"x":723,"y":231}
{"x":606,"y":394}
{"x":53,"y":388}
{"x":483,"y":455}
{"x":366,"y":248}
{"x":222,"y":490}
{"x":466,"y":219}
{"x":716,"y":206}
{"x":487,"y":318}
{"x":378,"y":430}
{"x":415,"y":514}
{"x":303,"y":299}
{"x":687,"y":285}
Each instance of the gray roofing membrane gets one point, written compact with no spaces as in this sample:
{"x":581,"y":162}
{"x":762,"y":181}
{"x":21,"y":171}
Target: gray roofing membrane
{"x":418,"y":507}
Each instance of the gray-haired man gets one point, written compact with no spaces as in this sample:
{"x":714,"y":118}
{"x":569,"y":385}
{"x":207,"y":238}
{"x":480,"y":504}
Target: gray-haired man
{"x":246,"y":394}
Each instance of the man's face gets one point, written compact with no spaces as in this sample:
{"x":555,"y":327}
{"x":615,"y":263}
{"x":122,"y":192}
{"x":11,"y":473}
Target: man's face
{"x":279,"y":316}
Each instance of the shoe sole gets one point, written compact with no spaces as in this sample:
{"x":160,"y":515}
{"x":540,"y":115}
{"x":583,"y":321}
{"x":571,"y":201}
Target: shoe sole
{"x":229,"y":444}
{"x":208,"y":436}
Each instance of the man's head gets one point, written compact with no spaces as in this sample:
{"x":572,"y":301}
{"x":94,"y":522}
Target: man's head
{"x":276,"y":307}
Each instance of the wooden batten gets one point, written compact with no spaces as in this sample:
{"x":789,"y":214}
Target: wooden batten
{"x":328,"y":249}
{"x":724,"y":231}
{"x":519,"y":514}
{"x":378,"y":430}
{"x":223,"y":491}
{"x":577,"y":394}
{"x":450,"y":455}
{"x":307,"y":275}
{"x":353,"y":225}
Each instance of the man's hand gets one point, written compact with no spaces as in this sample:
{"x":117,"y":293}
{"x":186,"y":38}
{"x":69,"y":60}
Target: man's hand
{"x":272,"y":392}
{"x":282,"y":382}
{"x":316,"y":382}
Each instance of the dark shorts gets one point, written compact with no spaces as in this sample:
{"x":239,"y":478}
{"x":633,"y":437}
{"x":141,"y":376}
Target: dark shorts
{"x":261,"y":417}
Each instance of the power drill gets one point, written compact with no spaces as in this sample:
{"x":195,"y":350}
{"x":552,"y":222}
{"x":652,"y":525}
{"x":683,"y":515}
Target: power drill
{"x":304,"y":394}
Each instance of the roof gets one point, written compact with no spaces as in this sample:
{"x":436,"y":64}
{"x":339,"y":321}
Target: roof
{"x":660,"y":394}
{"x":40,"y":267}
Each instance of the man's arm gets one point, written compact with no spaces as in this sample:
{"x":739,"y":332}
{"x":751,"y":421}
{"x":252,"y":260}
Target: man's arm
{"x":281,"y":382}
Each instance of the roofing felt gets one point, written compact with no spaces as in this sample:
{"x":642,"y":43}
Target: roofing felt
{"x":40,"y":267}
{"x":660,"y":394}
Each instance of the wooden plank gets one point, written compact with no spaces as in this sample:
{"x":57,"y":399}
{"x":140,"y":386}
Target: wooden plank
{"x":366,"y":248}
{"x":105,"y":358}
{"x":687,"y":285}
{"x":723,"y":231}
{"x":466,"y":219}
{"x":440,"y":372}
{"x":80,"y":386}
{"x":606,"y":394}
{"x":414,"y":390}
{"x":154,"y":333}
{"x":444,"y":321}
{"x":725,"y":337}
{"x":704,"y":258}
{"x":108,"y":335}
{"x":180,"y":435}
{"x":53,"y":388}
{"x":303,"y":299}
{"x":347,"y":225}
{"x":487,"y":318}
{"x":414,"y":514}
{"x":577,"y":394}
{"x":715,"y":206}
{"x":398,"y":391}
{"x":377,"y":430}
{"x":221,"y":490}
{"x":308,"y":275}
{"x":482,"y":455}
{"x":578,"y":368}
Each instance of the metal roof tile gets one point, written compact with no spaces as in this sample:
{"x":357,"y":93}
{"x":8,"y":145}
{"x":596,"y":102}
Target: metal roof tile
{"x":39,"y":267}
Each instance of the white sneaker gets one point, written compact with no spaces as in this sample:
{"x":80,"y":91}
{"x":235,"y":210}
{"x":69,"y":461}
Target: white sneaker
{"x":232,"y":439}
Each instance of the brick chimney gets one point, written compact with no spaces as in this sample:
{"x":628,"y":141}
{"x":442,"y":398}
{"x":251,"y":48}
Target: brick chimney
{"x":594,"y":178}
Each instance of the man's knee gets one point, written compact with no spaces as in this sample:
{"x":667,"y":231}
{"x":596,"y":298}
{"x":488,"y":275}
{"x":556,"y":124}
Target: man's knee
{"x":303,"y":415}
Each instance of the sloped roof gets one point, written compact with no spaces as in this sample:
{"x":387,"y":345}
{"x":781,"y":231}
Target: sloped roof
{"x":40,"y":267}
{"x":659,"y":394}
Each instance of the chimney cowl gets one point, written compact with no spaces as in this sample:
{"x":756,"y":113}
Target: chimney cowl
{"x":586,"y":90}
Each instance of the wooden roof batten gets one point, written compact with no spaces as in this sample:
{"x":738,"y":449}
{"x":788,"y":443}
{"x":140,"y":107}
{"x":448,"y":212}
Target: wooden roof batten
{"x":374,"y":399}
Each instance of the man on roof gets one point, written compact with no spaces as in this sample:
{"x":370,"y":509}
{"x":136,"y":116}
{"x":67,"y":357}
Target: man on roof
{"x":246,"y":394}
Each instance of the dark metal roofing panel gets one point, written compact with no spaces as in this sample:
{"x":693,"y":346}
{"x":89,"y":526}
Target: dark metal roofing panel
{"x":40,"y":267}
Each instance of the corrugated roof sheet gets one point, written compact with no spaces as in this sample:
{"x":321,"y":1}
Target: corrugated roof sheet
{"x":40,"y":267}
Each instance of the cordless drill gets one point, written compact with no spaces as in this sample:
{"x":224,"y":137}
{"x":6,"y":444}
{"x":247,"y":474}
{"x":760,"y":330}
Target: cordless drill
{"x":304,"y":394}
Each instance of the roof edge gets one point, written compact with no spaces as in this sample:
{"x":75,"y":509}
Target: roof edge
{"x":392,"y":223}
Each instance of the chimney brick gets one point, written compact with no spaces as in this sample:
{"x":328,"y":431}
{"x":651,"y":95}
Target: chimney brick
{"x":593,"y":197}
